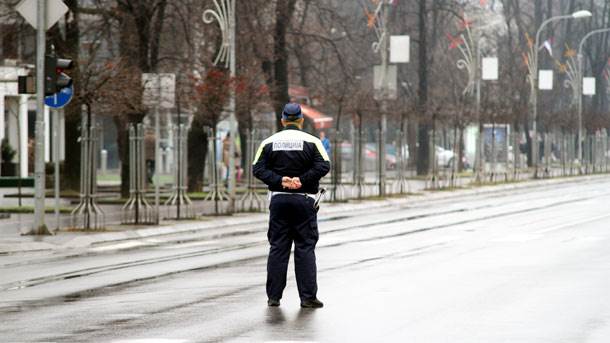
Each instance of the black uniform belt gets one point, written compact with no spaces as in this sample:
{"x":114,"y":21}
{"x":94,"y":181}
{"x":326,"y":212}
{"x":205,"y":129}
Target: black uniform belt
{"x":272,"y":194}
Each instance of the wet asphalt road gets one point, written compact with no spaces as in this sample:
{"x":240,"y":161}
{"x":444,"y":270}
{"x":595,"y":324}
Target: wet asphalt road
{"x":514,"y":266}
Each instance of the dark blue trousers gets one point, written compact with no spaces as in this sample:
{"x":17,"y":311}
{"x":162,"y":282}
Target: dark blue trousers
{"x":292,"y":219}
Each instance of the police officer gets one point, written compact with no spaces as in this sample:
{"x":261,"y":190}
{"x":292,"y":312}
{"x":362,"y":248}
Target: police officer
{"x":291,"y":163}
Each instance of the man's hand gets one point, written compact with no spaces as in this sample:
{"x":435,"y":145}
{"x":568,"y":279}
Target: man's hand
{"x":291,"y":183}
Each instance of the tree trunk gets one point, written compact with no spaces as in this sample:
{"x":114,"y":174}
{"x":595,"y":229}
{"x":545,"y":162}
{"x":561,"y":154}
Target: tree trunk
{"x":122,"y":130}
{"x":528,"y":142}
{"x":412,"y":142}
{"x":197,"y":138}
{"x":424,"y":126}
{"x":144,"y":21}
{"x":283,"y":15}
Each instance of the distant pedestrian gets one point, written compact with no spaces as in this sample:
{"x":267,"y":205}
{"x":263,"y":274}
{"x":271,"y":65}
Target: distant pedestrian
{"x":149,"y":155}
{"x":291,"y":163}
{"x":325,"y":142}
{"x":226,"y":146}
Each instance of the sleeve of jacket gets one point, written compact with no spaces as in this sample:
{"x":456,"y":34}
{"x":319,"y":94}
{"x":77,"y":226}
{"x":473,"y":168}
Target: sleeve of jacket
{"x":261,"y":168}
{"x":320,"y":167}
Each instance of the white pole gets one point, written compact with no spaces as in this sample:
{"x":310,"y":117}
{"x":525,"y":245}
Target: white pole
{"x":56,"y":156}
{"x":384,"y":100}
{"x":48,"y":136}
{"x":534,"y":147}
{"x":39,"y":172}
{"x":232,"y":118}
{"x":23,"y":136}
{"x":479,"y":158}
{"x":157,"y":159}
{"x":579,"y":101}
{"x":169,"y":156}
{"x":579,"y":81}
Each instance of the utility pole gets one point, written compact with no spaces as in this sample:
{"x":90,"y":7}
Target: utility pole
{"x":232,"y":117}
{"x":384,"y":99}
{"x":378,"y":20}
{"x":534,"y":81}
{"x":157,"y":154}
{"x":385,"y":75}
{"x":480,"y":156}
{"x":224,"y":14}
{"x":40,"y":227}
{"x":579,"y":86}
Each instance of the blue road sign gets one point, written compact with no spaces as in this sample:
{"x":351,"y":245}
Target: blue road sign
{"x":61,"y":99}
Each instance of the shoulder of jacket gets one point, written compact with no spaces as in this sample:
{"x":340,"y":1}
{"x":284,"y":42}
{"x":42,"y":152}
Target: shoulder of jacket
{"x":291,"y":135}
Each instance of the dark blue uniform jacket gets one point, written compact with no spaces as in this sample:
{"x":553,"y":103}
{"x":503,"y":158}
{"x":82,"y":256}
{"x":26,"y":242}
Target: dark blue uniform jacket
{"x":291,"y":152}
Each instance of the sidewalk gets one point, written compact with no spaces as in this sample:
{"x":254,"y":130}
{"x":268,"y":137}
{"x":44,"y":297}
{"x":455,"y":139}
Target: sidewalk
{"x":239,"y":224}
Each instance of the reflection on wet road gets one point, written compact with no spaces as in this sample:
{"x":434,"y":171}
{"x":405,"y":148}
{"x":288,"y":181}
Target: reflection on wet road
{"x":526,"y":266}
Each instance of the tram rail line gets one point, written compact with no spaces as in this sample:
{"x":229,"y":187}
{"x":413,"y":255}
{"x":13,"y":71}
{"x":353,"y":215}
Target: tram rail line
{"x":85,"y":272}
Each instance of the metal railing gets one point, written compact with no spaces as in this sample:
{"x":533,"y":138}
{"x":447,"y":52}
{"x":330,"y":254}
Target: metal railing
{"x":88,"y":214}
{"x":137,"y":210}
{"x":179,"y":201}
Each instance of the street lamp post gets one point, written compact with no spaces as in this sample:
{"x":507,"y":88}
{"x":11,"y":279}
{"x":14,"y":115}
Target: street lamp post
{"x":384,"y":104}
{"x":534,"y":78}
{"x":40,"y":227}
{"x":224,"y":14}
{"x":378,"y":20}
{"x":580,"y":89}
{"x":471,"y":62}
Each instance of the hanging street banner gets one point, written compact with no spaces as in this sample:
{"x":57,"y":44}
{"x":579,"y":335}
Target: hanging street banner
{"x":400,"y":49}
{"x":545,"y":80}
{"x":490,"y":68}
{"x":588,"y":86}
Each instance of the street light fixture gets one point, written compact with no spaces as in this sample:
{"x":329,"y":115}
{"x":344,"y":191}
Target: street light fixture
{"x":580,"y":85}
{"x":534,"y":78}
{"x":582,"y":14}
{"x":224,"y":14}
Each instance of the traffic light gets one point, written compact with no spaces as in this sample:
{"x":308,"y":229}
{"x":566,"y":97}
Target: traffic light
{"x":50,"y":74}
{"x":54,"y":77}
{"x":63,"y":80}
{"x":26,"y":84}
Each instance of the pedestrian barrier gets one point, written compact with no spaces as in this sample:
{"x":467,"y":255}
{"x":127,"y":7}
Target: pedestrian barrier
{"x":179,"y":198}
{"x":137,"y":210}
{"x":216,"y":193}
{"x":88,"y":215}
{"x":251,"y":200}
{"x":338,"y":188}
{"x":400,"y":185}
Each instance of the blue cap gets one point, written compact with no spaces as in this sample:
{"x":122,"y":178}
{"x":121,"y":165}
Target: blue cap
{"x":292,"y":111}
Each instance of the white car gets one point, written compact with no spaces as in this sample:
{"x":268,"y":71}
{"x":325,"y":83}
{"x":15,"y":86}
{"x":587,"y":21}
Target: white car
{"x":444,"y":157}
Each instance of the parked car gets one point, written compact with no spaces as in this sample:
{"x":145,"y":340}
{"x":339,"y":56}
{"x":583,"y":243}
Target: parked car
{"x":370,"y":154}
{"x":445,"y":158}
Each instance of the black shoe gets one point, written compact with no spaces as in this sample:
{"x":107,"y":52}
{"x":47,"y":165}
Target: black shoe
{"x":273,"y":303}
{"x":312,"y":303}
